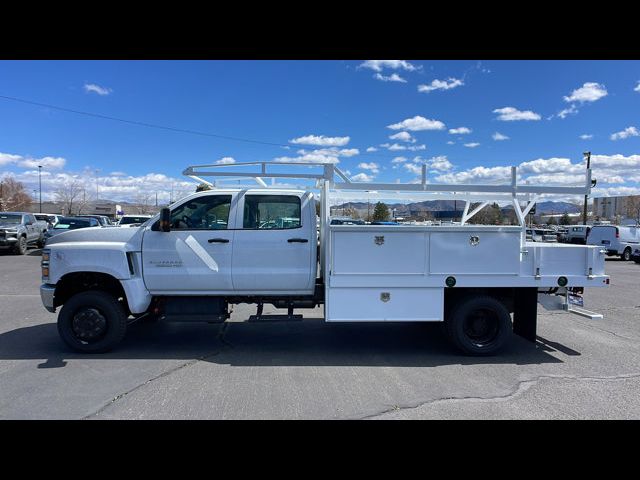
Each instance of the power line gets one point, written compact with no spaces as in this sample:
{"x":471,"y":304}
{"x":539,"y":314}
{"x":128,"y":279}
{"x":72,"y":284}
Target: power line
{"x":172,"y":129}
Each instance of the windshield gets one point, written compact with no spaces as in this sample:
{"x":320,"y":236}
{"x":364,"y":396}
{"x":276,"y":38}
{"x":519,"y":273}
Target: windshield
{"x":10,"y":219}
{"x":128,"y":220}
{"x":66,"y":224}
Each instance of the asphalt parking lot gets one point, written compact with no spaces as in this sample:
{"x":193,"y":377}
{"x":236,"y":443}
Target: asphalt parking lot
{"x":579,"y":368}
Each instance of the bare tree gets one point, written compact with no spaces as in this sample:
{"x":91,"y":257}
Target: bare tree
{"x":632,"y":205}
{"x":144,"y":203}
{"x":13,"y":195}
{"x":70,"y":193}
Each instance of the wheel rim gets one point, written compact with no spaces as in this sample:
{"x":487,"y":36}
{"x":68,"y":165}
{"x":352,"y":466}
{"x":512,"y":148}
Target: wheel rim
{"x":89,"y":325}
{"x":627,"y":255}
{"x":481,"y":327}
{"x":23,"y":244}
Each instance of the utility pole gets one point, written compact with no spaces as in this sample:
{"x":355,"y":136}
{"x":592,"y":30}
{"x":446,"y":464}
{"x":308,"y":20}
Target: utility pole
{"x":40,"y":185}
{"x":584,"y":211}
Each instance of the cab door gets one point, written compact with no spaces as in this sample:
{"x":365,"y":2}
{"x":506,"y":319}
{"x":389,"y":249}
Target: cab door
{"x":195,"y":256}
{"x":275,"y":244}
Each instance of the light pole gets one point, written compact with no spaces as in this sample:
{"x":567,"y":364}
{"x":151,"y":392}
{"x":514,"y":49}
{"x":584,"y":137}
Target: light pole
{"x":40,"y":185}
{"x":584,"y":210}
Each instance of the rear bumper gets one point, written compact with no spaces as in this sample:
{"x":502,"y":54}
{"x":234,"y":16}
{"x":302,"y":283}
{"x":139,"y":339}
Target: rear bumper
{"x":47,"y":295}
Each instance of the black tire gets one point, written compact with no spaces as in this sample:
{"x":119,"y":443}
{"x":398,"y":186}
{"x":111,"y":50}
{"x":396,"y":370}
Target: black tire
{"x":104,"y":312}
{"x":41,"y":242}
{"x":626,"y":255}
{"x":21,"y":246}
{"x":479,"y":325}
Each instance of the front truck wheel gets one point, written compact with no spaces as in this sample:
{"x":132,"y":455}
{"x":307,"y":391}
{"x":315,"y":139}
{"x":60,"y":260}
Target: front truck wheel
{"x":92,"y":322}
{"x":626,"y":255}
{"x":479,"y":325}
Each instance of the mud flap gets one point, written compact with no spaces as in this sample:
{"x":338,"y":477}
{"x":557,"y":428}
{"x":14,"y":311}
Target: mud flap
{"x":525,"y":315}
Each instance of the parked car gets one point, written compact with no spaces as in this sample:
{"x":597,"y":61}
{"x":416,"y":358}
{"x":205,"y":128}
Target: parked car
{"x":103,"y":219}
{"x":541,"y":235}
{"x":578,"y":234}
{"x":133,"y":220}
{"x":70,"y":223}
{"x":563,"y":234}
{"x":50,"y":218}
{"x":346,"y":221}
{"x":635,"y":256}
{"x":20,"y":229}
{"x":617,"y":240}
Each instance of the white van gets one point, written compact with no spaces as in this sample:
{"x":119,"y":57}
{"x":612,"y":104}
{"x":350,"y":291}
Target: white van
{"x":617,"y":240}
{"x":577,"y":234}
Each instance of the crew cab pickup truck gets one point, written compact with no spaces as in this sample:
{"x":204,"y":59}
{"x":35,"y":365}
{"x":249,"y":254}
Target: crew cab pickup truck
{"x":260,"y":246}
{"x":20,"y":229}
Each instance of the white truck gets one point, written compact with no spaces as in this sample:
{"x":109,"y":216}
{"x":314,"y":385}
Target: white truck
{"x":228,"y":246}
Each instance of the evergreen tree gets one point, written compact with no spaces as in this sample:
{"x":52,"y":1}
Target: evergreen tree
{"x":380,"y":212}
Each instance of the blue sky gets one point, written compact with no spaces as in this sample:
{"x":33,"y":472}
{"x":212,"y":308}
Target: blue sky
{"x":321,"y":103}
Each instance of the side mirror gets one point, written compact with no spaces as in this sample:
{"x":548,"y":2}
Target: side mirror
{"x":165,"y":220}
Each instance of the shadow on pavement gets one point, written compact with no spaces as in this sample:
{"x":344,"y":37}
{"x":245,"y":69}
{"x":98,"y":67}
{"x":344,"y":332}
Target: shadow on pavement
{"x":311,"y":342}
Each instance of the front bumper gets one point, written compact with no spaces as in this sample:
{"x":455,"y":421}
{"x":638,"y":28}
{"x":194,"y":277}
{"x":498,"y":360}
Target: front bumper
{"x":8,"y":241}
{"x":47,"y":295}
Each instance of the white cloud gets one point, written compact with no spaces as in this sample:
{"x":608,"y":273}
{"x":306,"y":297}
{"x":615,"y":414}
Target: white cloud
{"x":451,"y":142}
{"x":93,"y":88}
{"x":499,"y":137}
{"x":589,"y":92}
{"x":510,"y":114}
{"x":418,"y":123}
{"x":414,"y":168}
{"x":395,"y":147}
{"x":477,"y":175}
{"x":394,"y":77}
{"x":8,"y":158}
{"x":399,"y":160}
{"x":572,"y":110}
{"x":415,"y":148}
{"x":50,"y":163}
{"x":120,"y":188}
{"x":403,"y":136}
{"x":374,"y":167}
{"x":441,"y":85}
{"x":586,"y":136}
{"x":344,"y":152}
{"x":321,"y":141}
{"x":372,"y":149}
{"x":308,"y":158}
{"x":379,"y":65}
{"x":362,"y":177}
{"x":637,"y":89}
{"x":226,"y":161}
{"x":459,"y":131}
{"x":626,"y":133}
{"x":440,"y":163}
{"x":472,"y":145}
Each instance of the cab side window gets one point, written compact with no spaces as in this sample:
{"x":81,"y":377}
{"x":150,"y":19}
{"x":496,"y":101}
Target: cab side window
{"x":271,"y":212}
{"x":203,"y":213}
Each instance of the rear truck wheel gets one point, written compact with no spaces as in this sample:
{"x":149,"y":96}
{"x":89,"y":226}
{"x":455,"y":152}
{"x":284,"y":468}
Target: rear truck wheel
{"x":626,"y":255}
{"x":92,"y":322}
{"x":21,"y":246}
{"x":479,"y":325}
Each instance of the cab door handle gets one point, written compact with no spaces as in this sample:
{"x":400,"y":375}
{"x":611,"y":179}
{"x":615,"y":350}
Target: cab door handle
{"x":297,"y":240}
{"x":218,"y":240}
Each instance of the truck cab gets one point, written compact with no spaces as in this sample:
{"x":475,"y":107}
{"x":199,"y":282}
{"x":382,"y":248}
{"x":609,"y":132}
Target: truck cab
{"x":241,"y":242}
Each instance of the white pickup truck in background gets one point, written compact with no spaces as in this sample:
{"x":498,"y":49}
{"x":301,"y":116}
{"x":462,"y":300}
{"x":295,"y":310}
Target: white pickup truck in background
{"x":228,"y":246}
